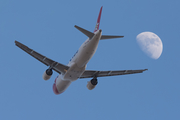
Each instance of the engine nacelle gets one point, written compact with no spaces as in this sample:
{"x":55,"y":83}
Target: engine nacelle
{"x":47,"y":74}
{"x":92,"y":84}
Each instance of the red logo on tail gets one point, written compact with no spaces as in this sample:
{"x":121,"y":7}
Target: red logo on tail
{"x":98,"y":21}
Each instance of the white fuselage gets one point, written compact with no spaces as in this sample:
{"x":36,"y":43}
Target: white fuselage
{"x":78,"y":63}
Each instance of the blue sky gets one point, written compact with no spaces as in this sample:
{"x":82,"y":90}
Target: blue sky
{"x":48,"y":27}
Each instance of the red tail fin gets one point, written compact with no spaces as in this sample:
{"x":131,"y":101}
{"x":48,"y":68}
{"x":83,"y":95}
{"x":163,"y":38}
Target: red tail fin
{"x":98,"y":21}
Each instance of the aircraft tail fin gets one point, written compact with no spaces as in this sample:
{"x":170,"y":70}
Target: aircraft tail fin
{"x":90,"y":34}
{"x":98,"y":20}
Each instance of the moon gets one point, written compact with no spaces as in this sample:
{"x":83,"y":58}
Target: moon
{"x":150,"y":44}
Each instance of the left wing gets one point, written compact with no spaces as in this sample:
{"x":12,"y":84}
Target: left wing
{"x":92,"y":73}
{"x":58,"y":67}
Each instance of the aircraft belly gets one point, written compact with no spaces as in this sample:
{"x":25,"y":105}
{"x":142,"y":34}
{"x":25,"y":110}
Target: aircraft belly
{"x":84,"y":58}
{"x":87,"y":51}
{"x":74,"y":72}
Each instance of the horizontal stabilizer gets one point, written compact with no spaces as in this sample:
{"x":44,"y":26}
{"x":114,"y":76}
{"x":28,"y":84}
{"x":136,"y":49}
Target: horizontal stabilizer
{"x":110,"y":37}
{"x":86,"y":32}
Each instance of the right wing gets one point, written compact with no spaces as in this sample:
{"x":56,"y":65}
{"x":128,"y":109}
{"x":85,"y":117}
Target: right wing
{"x":58,"y":67}
{"x":93,"y":73}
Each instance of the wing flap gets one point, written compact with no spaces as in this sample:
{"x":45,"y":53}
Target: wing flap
{"x":58,"y":67}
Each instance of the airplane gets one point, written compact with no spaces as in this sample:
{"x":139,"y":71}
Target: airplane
{"x":76,"y":68}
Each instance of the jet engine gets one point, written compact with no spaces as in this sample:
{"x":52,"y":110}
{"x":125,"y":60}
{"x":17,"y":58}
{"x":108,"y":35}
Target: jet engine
{"x":47,"y":74}
{"x":92,"y":84}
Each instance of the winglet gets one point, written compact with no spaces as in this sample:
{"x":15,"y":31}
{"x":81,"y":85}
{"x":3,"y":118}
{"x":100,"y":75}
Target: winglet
{"x":98,"y":20}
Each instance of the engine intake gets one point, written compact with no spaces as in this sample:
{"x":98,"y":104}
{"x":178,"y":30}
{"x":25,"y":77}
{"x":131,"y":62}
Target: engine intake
{"x":92,"y":84}
{"x":47,"y":74}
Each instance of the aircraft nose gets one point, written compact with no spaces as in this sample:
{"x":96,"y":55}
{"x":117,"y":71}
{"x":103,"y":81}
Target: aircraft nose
{"x":55,"y":90}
